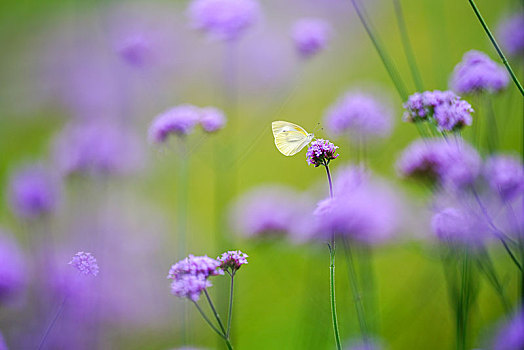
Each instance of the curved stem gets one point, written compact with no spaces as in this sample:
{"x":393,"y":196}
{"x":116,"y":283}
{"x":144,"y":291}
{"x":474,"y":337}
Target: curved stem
{"x":408,"y":50}
{"x":208,"y":321}
{"x":217,"y":316}
{"x":50,"y":326}
{"x":496,"y":45}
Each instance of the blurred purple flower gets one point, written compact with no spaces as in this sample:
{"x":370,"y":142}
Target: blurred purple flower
{"x":360,"y":210}
{"x":266,"y":210}
{"x":511,"y":336}
{"x":310,"y":35}
{"x":359,"y":114}
{"x":451,"y":163}
{"x":232,"y":260}
{"x":460,"y":225}
{"x":212,"y":119}
{"x":179,"y":120}
{"x":189,"y":286}
{"x":85,"y":263}
{"x":511,"y":34}
{"x":478,"y":73}
{"x":195,"y":265}
{"x":223,"y":19}
{"x":33,"y":191}
{"x":505,"y":175}
{"x":135,"y":50}
{"x":321,"y":152}
{"x":12,"y":268}
{"x":97,"y":147}
{"x":3,"y":345}
{"x":448,"y":110}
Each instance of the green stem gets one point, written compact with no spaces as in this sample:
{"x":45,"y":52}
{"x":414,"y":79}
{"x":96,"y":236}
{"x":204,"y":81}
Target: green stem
{"x":204,"y":316}
{"x":386,"y":60}
{"x":496,"y":45}
{"x":332,"y":293}
{"x":356,"y":293}
{"x":230,"y":305}
{"x":217,"y":316}
{"x":408,"y":50}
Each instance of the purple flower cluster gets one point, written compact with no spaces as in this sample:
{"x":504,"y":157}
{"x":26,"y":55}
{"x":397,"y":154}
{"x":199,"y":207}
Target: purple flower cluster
{"x":511,"y":34}
{"x":460,"y":224}
{"x":12,"y":268}
{"x":182,"y":119}
{"x":232,"y":260}
{"x":447,"y":110}
{"x":310,"y":36}
{"x":478,"y":73}
{"x":452,"y":163}
{"x":511,"y":336}
{"x":135,"y":50}
{"x":97,"y":147}
{"x":359,"y":114}
{"x":361,"y":209}
{"x":85,"y":263}
{"x":190,"y":276}
{"x":321,"y":152}
{"x":505,"y":175}
{"x":33,"y":192}
{"x":223,"y":19}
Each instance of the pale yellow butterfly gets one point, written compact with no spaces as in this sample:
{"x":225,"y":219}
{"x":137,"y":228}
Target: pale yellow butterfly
{"x":290,"y":138}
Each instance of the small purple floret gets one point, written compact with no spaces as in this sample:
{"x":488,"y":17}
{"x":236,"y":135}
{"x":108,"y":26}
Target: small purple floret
{"x":85,"y":263}
{"x":179,"y":120}
{"x":311,"y":36}
{"x":505,"y":175}
{"x":232,"y":260}
{"x":321,"y":152}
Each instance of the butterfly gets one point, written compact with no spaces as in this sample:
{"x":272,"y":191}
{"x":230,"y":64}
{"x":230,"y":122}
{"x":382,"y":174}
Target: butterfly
{"x":290,"y":138}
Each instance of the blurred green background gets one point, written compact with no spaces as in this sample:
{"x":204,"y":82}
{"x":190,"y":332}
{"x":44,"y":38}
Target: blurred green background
{"x":282,"y":295}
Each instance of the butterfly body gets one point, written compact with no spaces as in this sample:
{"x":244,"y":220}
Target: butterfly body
{"x":290,"y":138}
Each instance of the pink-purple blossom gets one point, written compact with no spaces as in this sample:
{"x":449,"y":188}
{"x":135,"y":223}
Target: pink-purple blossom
{"x":478,"y":73}
{"x":212,"y":119}
{"x":85,"y":263}
{"x":232,"y":260}
{"x":505,"y":175}
{"x":189,"y":286}
{"x":310,"y":35}
{"x":359,"y":115}
{"x":195,"y":265}
{"x":33,"y":191}
{"x":224,"y":19}
{"x":321,"y":152}
{"x":511,"y":34}
{"x":179,"y":121}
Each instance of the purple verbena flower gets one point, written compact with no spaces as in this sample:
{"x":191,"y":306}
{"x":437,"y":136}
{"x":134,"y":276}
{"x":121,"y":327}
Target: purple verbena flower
{"x":478,"y":73}
{"x":12,"y":268}
{"x":453,"y":163}
{"x":223,"y":19}
{"x":511,"y":34}
{"x":232,"y":260}
{"x":33,"y":191}
{"x":505,"y":175}
{"x":189,"y":286}
{"x":135,"y":50}
{"x":511,"y":335}
{"x":85,"y":263}
{"x":360,"y":115}
{"x":212,"y":119}
{"x":179,"y":120}
{"x":321,"y":152}
{"x":195,"y":265}
{"x":460,"y":225}
{"x":444,"y":108}
{"x":361,"y":210}
{"x":310,"y":36}
{"x":97,"y":147}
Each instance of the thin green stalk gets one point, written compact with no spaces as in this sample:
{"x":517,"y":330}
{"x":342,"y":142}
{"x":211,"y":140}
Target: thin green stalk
{"x":496,"y":45}
{"x":208,"y":321}
{"x":217,"y":316}
{"x":386,"y":60}
{"x":486,"y":266}
{"x":51,"y":325}
{"x":408,"y":50}
{"x":332,"y":248}
{"x":369,"y":289}
{"x":230,"y":305}
{"x":353,"y":281}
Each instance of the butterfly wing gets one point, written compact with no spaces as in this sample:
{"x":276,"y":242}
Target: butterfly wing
{"x":290,"y":138}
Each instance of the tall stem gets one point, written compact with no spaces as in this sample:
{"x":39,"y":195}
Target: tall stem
{"x":217,"y":316}
{"x":496,"y":45}
{"x":356,"y":293}
{"x":230,"y":305}
{"x":331,"y":246}
{"x":408,"y":50}
{"x":386,"y":60}
{"x":51,"y":325}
